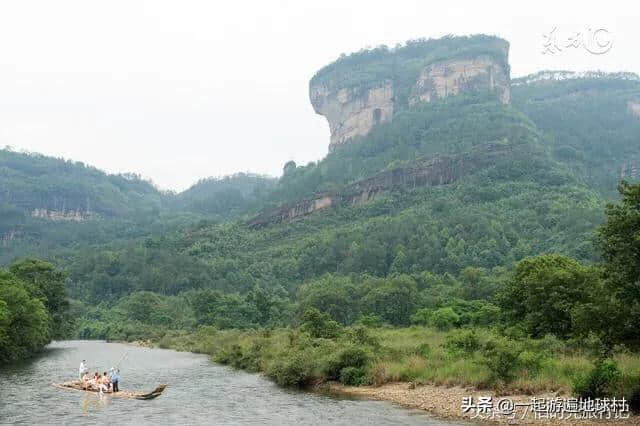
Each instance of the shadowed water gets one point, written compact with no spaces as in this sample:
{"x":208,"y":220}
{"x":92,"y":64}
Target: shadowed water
{"x":199,"y":392}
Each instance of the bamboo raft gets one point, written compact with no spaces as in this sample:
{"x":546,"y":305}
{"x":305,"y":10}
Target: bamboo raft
{"x":77,"y":385}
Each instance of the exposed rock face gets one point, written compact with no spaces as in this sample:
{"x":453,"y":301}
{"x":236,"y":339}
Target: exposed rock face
{"x":440,"y":170}
{"x":453,"y":77}
{"x":634,"y":107}
{"x":62,"y":215}
{"x":350,"y":113}
{"x":360,"y":91}
{"x":629,"y":171}
{"x":7,"y":237}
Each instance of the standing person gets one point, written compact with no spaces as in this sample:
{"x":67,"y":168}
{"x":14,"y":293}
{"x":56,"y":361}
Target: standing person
{"x":115,"y":378}
{"x":82,"y":370}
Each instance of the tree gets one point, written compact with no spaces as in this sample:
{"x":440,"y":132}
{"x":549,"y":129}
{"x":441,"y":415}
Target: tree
{"x":334,"y":295}
{"x":619,"y":240}
{"x":24,"y":321}
{"x":544,"y":293}
{"x":393,"y":299}
{"x":48,"y":284}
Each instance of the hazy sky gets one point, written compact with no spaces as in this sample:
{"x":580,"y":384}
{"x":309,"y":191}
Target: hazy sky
{"x":181,"y":90}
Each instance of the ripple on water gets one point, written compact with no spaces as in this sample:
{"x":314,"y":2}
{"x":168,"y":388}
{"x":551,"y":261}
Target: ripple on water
{"x":199,"y":392}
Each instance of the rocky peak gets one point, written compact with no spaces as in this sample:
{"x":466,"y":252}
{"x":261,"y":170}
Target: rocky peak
{"x":362,"y":90}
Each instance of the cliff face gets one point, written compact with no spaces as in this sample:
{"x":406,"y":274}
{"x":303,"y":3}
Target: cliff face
{"x":64,"y":215}
{"x":450,"y":78}
{"x":441,"y":170}
{"x":350,"y":113}
{"x":629,"y":171}
{"x":358,"y":92}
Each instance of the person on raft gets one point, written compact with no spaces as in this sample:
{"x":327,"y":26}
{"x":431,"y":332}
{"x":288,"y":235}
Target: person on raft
{"x":114,"y":375}
{"x":83,"y":369}
{"x":104,"y":383}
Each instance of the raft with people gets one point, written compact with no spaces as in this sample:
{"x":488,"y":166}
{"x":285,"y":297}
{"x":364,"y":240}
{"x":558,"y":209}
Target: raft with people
{"x":106,"y":383}
{"x":79,"y":386}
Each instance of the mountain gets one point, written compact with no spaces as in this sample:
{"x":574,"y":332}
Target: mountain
{"x":591,"y":122}
{"x":438,"y":165}
{"x":50,"y":205}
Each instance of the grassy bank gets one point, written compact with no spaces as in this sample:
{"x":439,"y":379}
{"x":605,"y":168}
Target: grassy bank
{"x":478,"y":358}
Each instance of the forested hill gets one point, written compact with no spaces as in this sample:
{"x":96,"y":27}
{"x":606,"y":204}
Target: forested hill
{"x":50,"y":206}
{"x":591,"y":122}
{"x":33,"y":184}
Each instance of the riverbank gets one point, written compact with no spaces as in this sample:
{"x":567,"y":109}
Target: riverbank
{"x":415,"y":367}
{"x":447,"y":403}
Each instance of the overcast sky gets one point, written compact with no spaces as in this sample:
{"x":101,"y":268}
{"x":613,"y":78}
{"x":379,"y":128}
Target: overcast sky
{"x":181,"y":90}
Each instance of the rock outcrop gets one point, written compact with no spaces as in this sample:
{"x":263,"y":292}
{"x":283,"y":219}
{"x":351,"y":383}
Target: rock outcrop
{"x":63,"y":215}
{"x":450,"y":78}
{"x":440,"y":170}
{"x":360,"y":91}
{"x":350,"y":113}
{"x":630,"y":171}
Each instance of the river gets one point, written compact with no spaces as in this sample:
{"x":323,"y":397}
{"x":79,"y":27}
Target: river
{"x":198,"y":392}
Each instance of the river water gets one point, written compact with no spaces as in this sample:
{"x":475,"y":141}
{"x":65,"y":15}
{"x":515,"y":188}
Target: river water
{"x":199,"y":392}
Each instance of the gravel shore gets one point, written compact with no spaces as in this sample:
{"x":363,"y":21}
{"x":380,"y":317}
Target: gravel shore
{"x":447,"y":403}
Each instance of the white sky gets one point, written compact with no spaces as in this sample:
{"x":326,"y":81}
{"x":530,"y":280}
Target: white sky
{"x":180,"y":90}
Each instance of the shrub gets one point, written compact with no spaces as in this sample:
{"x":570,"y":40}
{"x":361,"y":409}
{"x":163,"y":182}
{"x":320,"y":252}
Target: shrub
{"x":319,"y":324}
{"x":599,"y":382}
{"x":462,"y":342}
{"x":351,"y":356}
{"x":421,"y":317}
{"x":352,"y":376}
{"x":229,"y":355}
{"x":444,"y":318}
{"x":502,"y":360}
{"x":360,"y":336}
{"x":370,"y":320}
{"x":531,"y":360}
{"x":295,"y":371}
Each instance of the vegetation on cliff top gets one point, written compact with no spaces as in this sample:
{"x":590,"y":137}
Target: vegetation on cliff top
{"x":402,"y":64}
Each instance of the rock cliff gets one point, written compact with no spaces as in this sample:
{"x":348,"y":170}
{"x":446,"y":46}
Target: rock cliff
{"x":350,"y":113}
{"x":360,"y":91}
{"x":450,"y":78}
{"x":440,"y":170}
{"x":64,"y":215}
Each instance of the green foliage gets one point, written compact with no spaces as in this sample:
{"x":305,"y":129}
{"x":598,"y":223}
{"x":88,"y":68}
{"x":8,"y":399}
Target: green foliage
{"x":48,"y":284}
{"x":296,"y":371}
{"x":600,"y":382}
{"x":25,"y":324}
{"x":347,"y":365}
{"x":370,"y":320}
{"x":369,"y":67}
{"x":619,"y":239}
{"x":465,"y":342}
{"x":502,"y":358}
{"x":444,"y":318}
{"x":544,"y":292}
{"x":319,"y":324}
